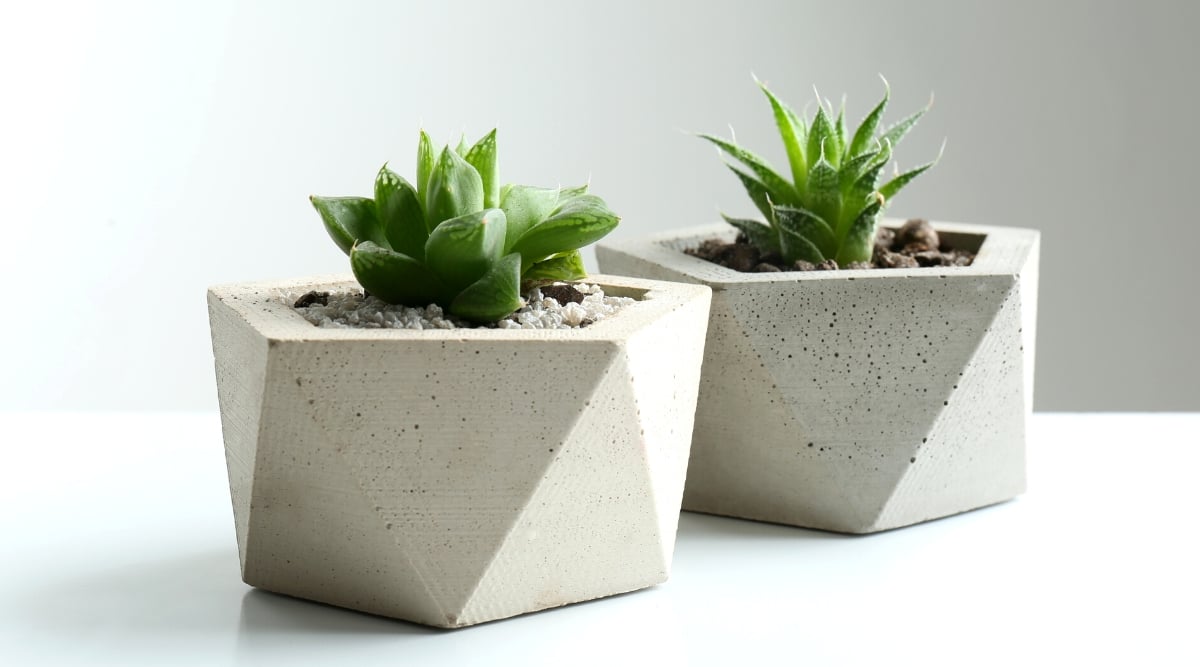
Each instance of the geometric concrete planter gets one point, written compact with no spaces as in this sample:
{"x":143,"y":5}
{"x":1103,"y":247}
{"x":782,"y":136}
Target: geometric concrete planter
{"x":857,"y":400}
{"x":459,"y":476}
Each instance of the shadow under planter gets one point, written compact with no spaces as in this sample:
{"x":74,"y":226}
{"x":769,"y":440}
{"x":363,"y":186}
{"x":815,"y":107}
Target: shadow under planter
{"x":458,"y":476}
{"x":857,"y":400}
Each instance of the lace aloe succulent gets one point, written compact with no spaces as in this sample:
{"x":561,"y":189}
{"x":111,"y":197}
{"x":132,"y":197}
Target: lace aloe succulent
{"x":457,"y":238}
{"x":830,"y":207}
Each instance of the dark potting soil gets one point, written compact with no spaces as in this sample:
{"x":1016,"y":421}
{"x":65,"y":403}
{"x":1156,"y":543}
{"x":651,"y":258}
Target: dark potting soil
{"x":914,"y":244}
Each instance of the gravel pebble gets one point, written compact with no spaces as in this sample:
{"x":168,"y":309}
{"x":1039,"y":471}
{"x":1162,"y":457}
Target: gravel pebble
{"x":349,"y":310}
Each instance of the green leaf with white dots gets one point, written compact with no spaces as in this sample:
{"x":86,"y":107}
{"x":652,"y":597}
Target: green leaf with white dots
{"x":765,"y":238}
{"x":482,"y":156}
{"x":455,"y":189}
{"x":462,"y":249}
{"x":525,"y":206}
{"x":349,"y":220}
{"x":394,"y":277}
{"x":400,"y":214}
{"x":563,"y":267}
{"x":494,"y":295}
{"x":580,"y":221}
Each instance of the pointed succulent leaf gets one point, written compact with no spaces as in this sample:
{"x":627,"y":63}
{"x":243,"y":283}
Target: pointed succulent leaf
{"x":761,"y":236}
{"x":808,"y":225}
{"x":792,"y":133}
{"x":896,"y":132}
{"x":571,"y":191}
{"x":400,"y":214}
{"x":461,"y":148}
{"x":482,"y":156}
{"x":460,"y":250}
{"x":839,"y":135}
{"x":865,"y":134}
{"x":797,"y":247}
{"x":562,"y":267}
{"x":781,"y":190}
{"x":496,"y":294}
{"x":425,"y":161}
{"x":394,"y":277}
{"x":756,"y":190}
{"x":349,"y":220}
{"x":852,"y":169}
{"x":859,"y":242}
{"x":824,"y":195}
{"x":869,"y":180}
{"x":893,"y":186}
{"x":525,"y":206}
{"x":575,"y":224}
{"x":455,"y":189}
{"x":818,"y":141}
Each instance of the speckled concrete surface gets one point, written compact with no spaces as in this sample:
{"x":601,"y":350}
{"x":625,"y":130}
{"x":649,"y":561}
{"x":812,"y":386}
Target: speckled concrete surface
{"x":456,"y":477}
{"x":858,"y":401}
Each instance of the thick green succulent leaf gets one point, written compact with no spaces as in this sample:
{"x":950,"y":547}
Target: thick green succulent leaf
{"x":896,"y":132}
{"x":824,"y":194}
{"x":859,"y":242}
{"x":761,"y":236}
{"x":865,"y":133}
{"x":792,"y":133}
{"x":496,"y":294}
{"x":462,"y":249}
{"x":461,"y":148}
{"x":808,"y":225}
{"x":563,"y":267}
{"x":756,"y":190}
{"x":781,"y":190}
{"x":894,"y":186}
{"x":349,"y":220}
{"x":394,"y":277}
{"x":425,"y":161}
{"x":525,"y":206}
{"x":400,"y":215}
{"x":482,"y":156}
{"x":455,"y":189}
{"x":575,"y":224}
{"x":819,"y":143}
{"x":797,"y":247}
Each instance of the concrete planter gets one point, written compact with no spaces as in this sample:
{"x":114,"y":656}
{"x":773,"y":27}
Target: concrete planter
{"x":858,"y":401}
{"x":461,"y":476}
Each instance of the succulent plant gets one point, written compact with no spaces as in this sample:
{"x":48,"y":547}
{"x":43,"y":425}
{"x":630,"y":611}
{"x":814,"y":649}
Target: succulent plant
{"x":457,"y":238}
{"x":830,"y":207}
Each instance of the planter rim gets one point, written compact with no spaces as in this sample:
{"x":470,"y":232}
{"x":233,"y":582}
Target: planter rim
{"x":996,"y":256}
{"x":259,"y":303}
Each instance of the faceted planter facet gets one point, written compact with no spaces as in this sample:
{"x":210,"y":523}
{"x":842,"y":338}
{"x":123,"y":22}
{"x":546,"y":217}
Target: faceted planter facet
{"x":458,"y":476}
{"x":858,"y":400}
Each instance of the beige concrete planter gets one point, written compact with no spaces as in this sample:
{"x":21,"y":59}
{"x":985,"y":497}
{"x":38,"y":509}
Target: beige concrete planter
{"x":455,"y":477}
{"x":858,"y":401}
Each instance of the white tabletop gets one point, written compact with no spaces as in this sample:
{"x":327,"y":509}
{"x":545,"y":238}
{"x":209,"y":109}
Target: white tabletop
{"x":118,"y":548}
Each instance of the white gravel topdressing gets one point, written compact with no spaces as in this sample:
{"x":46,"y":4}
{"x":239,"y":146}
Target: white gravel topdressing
{"x":345,"y":310}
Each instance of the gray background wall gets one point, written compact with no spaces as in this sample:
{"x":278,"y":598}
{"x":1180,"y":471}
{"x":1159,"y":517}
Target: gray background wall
{"x":147,"y":151}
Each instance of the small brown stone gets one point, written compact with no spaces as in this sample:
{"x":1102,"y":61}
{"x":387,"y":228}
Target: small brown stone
{"x":764,"y":267}
{"x":857,"y":265}
{"x":916,"y":231}
{"x":828,"y":265}
{"x":884,"y":237}
{"x":932,"y":258}
{"x":803,"y":265}
{"x":894,"y":260}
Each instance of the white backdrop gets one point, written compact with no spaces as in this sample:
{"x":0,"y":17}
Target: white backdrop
{"x":148,"y":150}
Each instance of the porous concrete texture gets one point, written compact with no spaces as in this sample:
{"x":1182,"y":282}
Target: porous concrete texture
{"x":456,"y":477}
{"x":858,"y":400}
